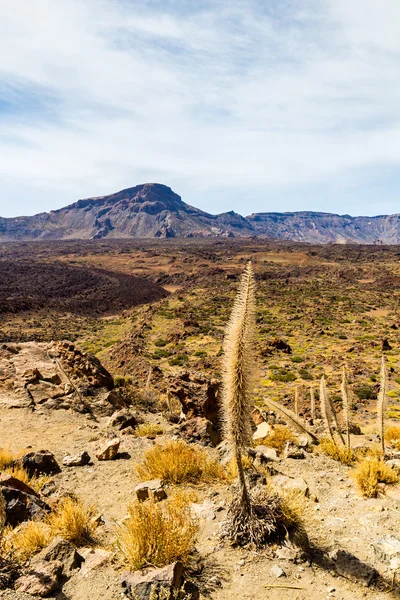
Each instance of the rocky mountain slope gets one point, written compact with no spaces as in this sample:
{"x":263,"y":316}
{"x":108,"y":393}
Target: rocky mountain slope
{"x":153,"y":210}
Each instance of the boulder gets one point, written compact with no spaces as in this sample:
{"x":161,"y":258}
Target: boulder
{"x":157,"y":583}
{"x":22,"y":502}
{"x":108,"y":450}
{"x":198,"y":429}
{"x":76,"y":460}
{"x":41,"y":580}
{"x":197,"y":393}
{"x":123,"y":419}
{"x":61,"y":550}
{"x":289,"y":484}
{"x":56,"y":375}
{"x":150,"y":489}
{"x":292,"y":451}
{"x":42,"y":462}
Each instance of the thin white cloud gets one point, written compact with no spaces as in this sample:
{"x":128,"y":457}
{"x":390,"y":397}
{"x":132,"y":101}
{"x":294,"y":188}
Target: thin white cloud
{"x":104,"y":94}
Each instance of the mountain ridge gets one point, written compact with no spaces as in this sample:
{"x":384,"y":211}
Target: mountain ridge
{"x":153,"y":210}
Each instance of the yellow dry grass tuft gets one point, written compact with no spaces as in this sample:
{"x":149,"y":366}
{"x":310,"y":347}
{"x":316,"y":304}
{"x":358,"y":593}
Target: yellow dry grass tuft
{"x":74,"y":521}
{"x":392,"y":435}
{"x":178,"y":462}
{"x":158,"y":533}
{"x":278,"y":438}
{"x":342,"y":454}
{"x":149,"y":430}
{"x":28,"y":539}
{"x":369,"y":473}
{"x":36,"y":482}
{"x":231,"y":467}
{"x":7,"y":459}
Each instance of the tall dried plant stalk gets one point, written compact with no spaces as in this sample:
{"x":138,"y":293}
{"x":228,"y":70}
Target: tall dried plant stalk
{"x":238,"y":375}
{"x":292,"y":419}
{"x":346,"y":404}
{"x":312,"y":402}
{"x":381,"y":404}
{"x":326,"y":408}
{"x":2,"y":514}
{"x":296,"y":400}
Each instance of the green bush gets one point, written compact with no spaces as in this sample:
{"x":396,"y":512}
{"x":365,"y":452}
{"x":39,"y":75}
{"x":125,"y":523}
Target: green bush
{"x":364,"y":391}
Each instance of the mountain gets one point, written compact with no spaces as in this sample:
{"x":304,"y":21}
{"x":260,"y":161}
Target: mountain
{"x":145,"y":211}
{"x":153,"y":210}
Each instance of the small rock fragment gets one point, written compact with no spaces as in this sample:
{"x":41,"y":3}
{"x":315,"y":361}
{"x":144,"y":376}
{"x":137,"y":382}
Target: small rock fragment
{"x":109,"y":450}
{"x":153,"y":488}
{"x":262,"y":431}
{"x":76,"y":460}
{"x":277,"y":571}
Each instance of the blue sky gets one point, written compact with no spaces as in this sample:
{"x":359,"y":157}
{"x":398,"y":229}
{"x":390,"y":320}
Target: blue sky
{"x":242,"y":104}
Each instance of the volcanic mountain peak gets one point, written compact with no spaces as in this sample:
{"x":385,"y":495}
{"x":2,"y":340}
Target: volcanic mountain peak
{"x":139,"y":194}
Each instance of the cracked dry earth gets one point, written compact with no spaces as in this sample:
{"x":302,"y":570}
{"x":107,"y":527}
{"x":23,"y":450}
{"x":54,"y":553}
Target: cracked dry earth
{"x":336,"y":517}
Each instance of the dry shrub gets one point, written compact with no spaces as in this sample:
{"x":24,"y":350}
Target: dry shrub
{"x":369,"y":473}
{"x":74,"y":521}
{"x":272,"y":518}
{"x":342,"y":454}
{"x":278,"y":438}
{"x":148,"y":430}
{"x":158,"y":533}
{"x":28,"y":539}
{"x":177,"y":462}
{"x":7,"y":459}
{"x":392,"y":435}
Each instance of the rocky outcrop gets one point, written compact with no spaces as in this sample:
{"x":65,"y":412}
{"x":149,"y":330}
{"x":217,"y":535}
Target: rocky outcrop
{"x":55,"y":376}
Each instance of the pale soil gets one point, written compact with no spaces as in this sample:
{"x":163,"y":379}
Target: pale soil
{"x":340,"y":518}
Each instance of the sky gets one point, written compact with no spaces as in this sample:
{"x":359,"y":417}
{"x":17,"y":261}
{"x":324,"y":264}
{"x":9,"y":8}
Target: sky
{"x":245,"y":105}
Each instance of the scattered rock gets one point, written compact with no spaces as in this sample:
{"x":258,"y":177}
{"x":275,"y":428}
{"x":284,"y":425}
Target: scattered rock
{"x":61,"y":550}
{"x":109,"y":450}
{"x":257,"y":416}
{"x":277,"y":571}
{"x":349,"y":566}
{"x":280,"y":344}
{"x":265,"y":454}
{"x":123,"y":419}
{"x":303,"y":442}
{"x":394,"y":463}
{"x":41,"y":580}
{"x":153,"y":488}
{"x":292,"y":451}
{"x":198,"y":429}
{"x":355,"y":429}
{"x":22,"y":502}
{"x":42,"y":462}
{"x":287,"y":483}
{"x":94,"y":558}
{"x":386,"y":345}
{"x":203,"y":511}
{"x":262,"y":431}
{"x":76,"y":460}
{"x":387,"y":549}
{"x":140,"y":587}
